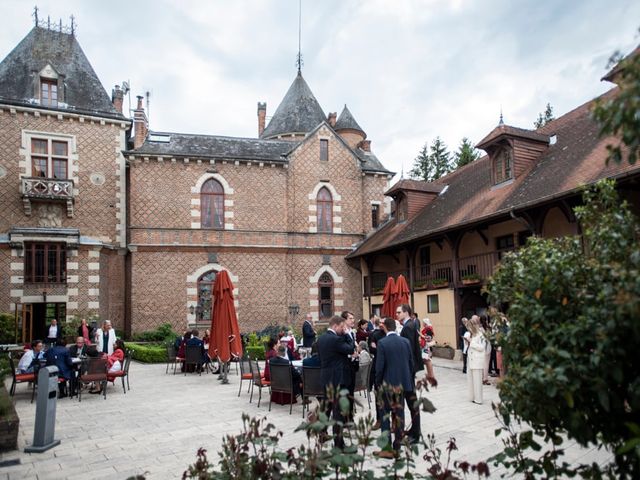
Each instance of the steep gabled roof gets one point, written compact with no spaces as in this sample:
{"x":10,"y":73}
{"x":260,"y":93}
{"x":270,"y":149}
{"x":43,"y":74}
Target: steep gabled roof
{"x":415,"y":185}
{"x":213,"y":146}
{"x":299,"y":111}
{"x":83,"y":91}
{"x":577,"y":158}
{"x":370,"y":163}
{"x":509,"y":131}
{"x":347,"y":122}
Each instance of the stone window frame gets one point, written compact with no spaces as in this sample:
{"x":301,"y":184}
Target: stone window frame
{"x":228,"y":201}
{"x":25,"y":164}
{"x":213,"y":196}
{"x":192,"y":288}
{"x":329,"y":282}
{"x":336,"y":220}
{"x":314,"y":291}
{"x":376,"y":221}
{"x":324,"y":149}
{"x":323,"y":213}
{"x":50,"y":76}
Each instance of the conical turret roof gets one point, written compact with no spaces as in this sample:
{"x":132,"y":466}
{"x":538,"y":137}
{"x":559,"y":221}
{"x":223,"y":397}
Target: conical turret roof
{"x":83,"y":91}
{"x":346,"y":121}
{"x":299,"y":111}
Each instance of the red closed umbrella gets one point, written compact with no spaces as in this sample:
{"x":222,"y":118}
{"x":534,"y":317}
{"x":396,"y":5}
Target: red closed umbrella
{"x":402,"y":291}
{"x":225,"y":333}
{"x":389,"y":298}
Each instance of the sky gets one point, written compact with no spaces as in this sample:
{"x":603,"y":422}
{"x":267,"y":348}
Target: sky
{"x":409,"y":70}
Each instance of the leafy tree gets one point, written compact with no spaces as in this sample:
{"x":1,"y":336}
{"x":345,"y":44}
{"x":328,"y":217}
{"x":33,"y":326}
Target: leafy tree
{"x":432,"y":162}
{"x":618,"y":115}
{"x":544,"y":118}
{"x":573,"y":335}
{"x":466,"y":153}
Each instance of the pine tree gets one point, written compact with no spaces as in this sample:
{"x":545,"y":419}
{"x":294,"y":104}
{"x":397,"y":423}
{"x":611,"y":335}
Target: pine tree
{"x":432,"y":162}
{"x":544,"y":118}
{"x":466,"y":153}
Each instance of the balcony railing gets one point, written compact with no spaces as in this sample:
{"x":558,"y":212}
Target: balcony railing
{"x":47,"y":189}
{"x":378,"y":280}
{"x":433,"y":275}
{"x":477,"y":268}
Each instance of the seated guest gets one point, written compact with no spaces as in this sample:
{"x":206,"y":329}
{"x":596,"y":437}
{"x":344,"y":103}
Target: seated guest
{"x":206,"y":338}
{"x":195,"y":341}
{"x":269,"y":354}
{"x":296,"y":379}
{"x":114,"y":362}
{"x":85,"y":331}
{"x":79,"y":349}
{"x":289,"y":341}
{"x":183,"y":343}
{"x":314,"y":359}
{"x":29,"y":360}
{"x":362,"y":333}
{"x":59,"y":356}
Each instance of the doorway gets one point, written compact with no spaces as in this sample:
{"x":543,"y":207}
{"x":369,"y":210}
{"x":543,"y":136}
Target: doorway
{"x":36,"y":318}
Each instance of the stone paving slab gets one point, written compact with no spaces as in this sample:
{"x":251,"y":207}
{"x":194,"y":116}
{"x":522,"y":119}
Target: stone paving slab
{"x":157,"y":427}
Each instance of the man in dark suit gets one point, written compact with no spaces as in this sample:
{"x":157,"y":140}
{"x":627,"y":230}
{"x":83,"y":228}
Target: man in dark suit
{"x":308,"y":332}
{"x":196,"y":341}
{"x":79,"y":349}
{"x":376,"y":335}
{"x":335,"y":353}
{"x":59,"y":356}
{"x":410,"y":331}
{"x":394,"y":374}
{"x":350,"y":333}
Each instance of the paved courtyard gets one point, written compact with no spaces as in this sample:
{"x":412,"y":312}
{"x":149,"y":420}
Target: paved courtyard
{"x":157,"y":427}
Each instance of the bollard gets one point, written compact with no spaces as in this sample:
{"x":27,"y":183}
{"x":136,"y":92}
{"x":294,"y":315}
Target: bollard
{"x":44,"y":429}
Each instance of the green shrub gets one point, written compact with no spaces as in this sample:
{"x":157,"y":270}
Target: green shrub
{"x":162,"y":333}
{"x":7,"y":328}
{"x":4,"y":366}
{"x":256,"y":352}
{"x":5,"y":402}
{"x":148,"y":353}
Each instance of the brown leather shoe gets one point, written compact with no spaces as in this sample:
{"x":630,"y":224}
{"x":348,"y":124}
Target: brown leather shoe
{"x":386,"y":454}
{"x":376,"y":426}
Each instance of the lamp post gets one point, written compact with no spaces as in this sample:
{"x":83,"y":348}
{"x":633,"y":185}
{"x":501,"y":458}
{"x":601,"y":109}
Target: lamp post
{"x":294,"y":309}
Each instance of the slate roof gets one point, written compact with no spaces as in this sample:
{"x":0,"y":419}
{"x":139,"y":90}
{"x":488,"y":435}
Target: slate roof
{"x":577,"y":158}
{"x":83,"y":92}
{"x":502,"y":129}
{"x":214,"y":146}
{"x":299,"y":111}
{"x":370,"y":162}
{"x":417,"y":185}
{"x":346,"y":121}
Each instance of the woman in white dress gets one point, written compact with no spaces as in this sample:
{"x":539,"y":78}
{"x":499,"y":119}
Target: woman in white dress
{"x":475,"y":361}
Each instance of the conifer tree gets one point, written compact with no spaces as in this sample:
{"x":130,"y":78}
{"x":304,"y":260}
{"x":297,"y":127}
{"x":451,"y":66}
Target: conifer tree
{"x":432,"y":162}
{"x":466,"y":153}
{"x":544,"y":118}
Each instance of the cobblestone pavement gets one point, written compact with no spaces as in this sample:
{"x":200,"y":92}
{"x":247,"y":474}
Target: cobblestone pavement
{"x":157,"y":427}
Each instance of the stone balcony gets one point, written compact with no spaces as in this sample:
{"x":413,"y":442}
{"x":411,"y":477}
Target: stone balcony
{"x":41,"y":189}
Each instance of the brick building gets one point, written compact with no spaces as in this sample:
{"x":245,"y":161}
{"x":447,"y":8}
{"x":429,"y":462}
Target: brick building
{"x":103,"y":217}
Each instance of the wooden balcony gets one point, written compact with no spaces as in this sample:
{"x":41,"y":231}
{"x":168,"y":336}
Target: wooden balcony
{"x":47,"y":190}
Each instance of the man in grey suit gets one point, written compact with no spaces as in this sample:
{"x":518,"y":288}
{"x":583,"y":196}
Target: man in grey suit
{"x":394,"y":372}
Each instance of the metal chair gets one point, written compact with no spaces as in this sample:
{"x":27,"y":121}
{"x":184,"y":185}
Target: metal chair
{"x":21,"y":378}
{"x":282,"y":382}
{"x":362,"y":381}
{"x":258,"y":380}
{"x":172,"y":357}
{"x":245,"y":373}
{"x":193,"y":356}
{"x":94,"y":370}
{"x":111,"y":377}
{"x":311,"y":385}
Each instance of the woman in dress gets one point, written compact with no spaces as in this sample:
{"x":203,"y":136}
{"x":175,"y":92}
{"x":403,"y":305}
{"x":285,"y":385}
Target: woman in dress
{"x":114,"y":361}
{"x":270,"y":353}
{"x":85,"y":331}
{"x":475,"y":360}
{"x":362,"y":333}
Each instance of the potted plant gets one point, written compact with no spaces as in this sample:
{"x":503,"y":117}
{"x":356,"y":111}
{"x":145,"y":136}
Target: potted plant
{"x":470,"y":279}
{"x":443,"y":351}
{"x":439,"y":282}
{"x":420,"y":284}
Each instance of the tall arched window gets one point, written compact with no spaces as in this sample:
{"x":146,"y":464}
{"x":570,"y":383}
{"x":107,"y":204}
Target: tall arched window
{"x":325,"y":295}
{"x":205,"y":297}
{"x":325,"y":210}
{"x":212,"y":204}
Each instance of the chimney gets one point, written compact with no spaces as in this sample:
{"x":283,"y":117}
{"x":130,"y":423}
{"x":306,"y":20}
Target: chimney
{"x":331,"y":119}
{"x":117,"y":97}
{"x":365,"y":145}
{"x":262,"y":115}
{"x":141,"y":127}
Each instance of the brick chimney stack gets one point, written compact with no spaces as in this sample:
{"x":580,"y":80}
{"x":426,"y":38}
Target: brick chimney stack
{"x":365,"y":145}
{"x":262,"y":116}
{"x":117,"y":97}
{"x":331,"y":119}
{"x":141,"y":125}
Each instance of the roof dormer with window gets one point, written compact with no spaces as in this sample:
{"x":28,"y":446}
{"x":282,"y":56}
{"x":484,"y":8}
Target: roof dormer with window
{"x":49,"y":87}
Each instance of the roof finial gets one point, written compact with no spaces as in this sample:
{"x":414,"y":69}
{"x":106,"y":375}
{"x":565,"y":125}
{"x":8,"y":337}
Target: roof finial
{"x":299,"y":61}
{"x":501,"y":122}
{"x":402,"y":171}
{"x":73,"y":25}
{"x":35,"y":15}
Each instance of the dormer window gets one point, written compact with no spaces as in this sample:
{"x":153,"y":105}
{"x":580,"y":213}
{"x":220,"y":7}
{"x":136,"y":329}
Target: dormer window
{"x":48,"y":92}
{"x":502,"y":166}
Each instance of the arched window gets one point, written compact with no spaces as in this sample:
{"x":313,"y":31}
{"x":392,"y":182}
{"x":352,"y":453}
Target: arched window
{"x":502,"y":169}
{"x":212,"y":204}
{"x":325,"y":210}
{"x":325,"y":295}
{"x":205,"y":297}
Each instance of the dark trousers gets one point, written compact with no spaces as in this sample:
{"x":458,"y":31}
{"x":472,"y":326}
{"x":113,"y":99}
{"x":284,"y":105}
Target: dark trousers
{"x":493,"y":362}
{"x":333,"y":410}
{"x":464,"y":363}
{"x":393,"y":416}
{"x":412,"y":401}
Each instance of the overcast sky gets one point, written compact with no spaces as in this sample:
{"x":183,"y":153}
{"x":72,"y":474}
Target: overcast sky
{"x":409,"y":70}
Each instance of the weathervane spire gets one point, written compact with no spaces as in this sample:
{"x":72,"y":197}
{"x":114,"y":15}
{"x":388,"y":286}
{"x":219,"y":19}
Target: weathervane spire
{"x":299,"y":61}
{"x":501,"y":122}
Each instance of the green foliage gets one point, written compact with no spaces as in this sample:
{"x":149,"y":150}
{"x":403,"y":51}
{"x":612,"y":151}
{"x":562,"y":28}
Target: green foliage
{"x":466,"y":153}
{"x":70,"y":326}
{"x":432,"y":162}
{"x":148,"y":353}
{"x":255,"y":352}
{"x":544,"y":118}
{"x":572,"y":345}
{"x":7,"y":328}
{"x":5,"y":402}
{"x":162,"y":333}
{"x":618,"y":115}
{"x":5,"y":368}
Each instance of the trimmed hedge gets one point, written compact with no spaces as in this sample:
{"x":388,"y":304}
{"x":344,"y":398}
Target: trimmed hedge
{"x":148,"y":352}
{"x":256,"y":353}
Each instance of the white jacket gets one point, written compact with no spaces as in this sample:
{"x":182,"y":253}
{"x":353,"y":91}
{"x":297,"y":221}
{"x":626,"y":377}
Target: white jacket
{"x":111,"y":341}
{"x":475,"y":354}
